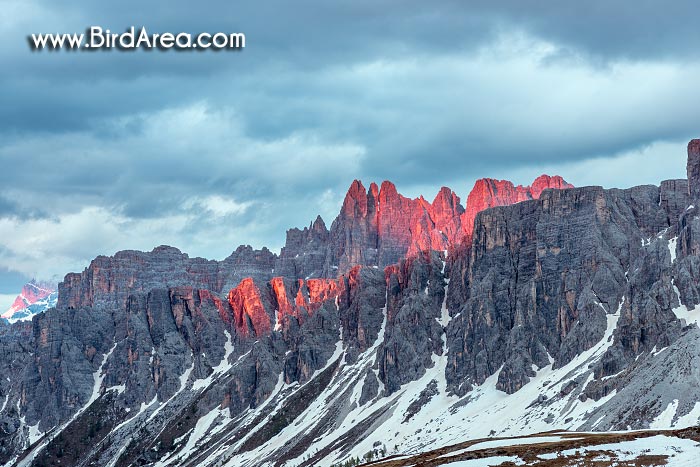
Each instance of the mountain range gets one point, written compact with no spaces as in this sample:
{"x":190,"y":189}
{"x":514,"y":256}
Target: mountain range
{"x":34,"y":298}
{"x":405,"y":327}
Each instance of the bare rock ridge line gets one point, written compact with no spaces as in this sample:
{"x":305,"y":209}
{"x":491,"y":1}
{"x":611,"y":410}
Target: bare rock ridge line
{"x":376,"y":228}
{"x":405,"y":326}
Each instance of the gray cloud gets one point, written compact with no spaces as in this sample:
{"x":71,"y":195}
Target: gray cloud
{"x":11,"y":282}
{"x":175,"y":146}
{"x":7,"y":207}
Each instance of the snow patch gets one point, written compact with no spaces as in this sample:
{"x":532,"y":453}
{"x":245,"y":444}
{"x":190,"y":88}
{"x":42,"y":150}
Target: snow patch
{"x":690,"y":419}
{"x":672,"y":248}
{"x":682,"y":312}
{"x":119,"y":389}
{"x":664,"y":419}
{"x":487,"y":462}
{"x":681,"y":452}
{"x":223,"y":366}
{"x":206,"y":426}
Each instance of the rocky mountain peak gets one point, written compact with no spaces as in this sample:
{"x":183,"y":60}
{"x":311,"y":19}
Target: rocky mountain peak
{"x":388,"y":192}
{"x":319,"y":226}
{"x":355,"y":203}
{"x":489,"y":192}
{"x":446,"y":203}
{"x":33,"y":295}
{"x":379,"y":226}
{"x":166,"y":250}
{"x":544,"y":182}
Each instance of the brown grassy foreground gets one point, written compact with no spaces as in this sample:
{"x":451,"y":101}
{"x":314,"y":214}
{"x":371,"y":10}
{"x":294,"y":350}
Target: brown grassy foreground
{"x":529,"y":454}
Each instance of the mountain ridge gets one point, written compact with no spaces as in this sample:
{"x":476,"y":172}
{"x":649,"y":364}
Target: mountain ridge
{"x":547,"y":316}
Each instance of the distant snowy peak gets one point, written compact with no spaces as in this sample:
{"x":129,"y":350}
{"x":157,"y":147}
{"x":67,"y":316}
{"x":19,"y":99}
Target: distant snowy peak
{"x":34,"y":298}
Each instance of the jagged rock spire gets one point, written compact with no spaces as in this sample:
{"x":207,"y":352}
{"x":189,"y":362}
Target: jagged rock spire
{"x":693,"y":168}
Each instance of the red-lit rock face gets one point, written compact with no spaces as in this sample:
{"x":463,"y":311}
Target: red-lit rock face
{"x":311,"y":295}
{"x":319,"y":291}
{"x":439,"y":223}
{"x":299,"y":300}
{"x":31,"y":293}
{"x":488,"y":193}
{"x":248,"y":311}
{"x":380,"y":226}
{"x":355,"y":203}
{"x":543,"y":182}
{"x":444,"y":222}
{"x":284,"y":305}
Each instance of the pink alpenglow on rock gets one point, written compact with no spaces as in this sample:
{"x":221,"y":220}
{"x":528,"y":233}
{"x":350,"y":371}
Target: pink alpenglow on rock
{"x":34,"y":298}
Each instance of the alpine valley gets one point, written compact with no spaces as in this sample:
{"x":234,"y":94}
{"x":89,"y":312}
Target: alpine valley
{"x":416,"y":332}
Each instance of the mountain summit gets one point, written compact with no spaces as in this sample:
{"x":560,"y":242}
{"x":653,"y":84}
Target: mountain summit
{"x":379,"y":226}
{"x":34,"y":298}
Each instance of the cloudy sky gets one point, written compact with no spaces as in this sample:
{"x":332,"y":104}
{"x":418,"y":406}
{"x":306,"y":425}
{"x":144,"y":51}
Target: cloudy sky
{"x":208,"y":150}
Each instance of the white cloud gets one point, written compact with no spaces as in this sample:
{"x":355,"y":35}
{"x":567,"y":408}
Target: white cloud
{"x":189,"y":148}
{"x":45,"y":248}
{"x":217,"y":205}
{"x":516,"y":102}
{"x":646,"y":166}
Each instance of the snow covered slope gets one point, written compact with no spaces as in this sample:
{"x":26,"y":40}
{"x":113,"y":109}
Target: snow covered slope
{"x":678,"y":448}
{"x":34,"y":298}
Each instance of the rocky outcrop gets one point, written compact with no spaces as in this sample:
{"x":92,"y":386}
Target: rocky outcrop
{"x":108,"y":281}
{"x":67,"y":350}
{"x":379,"y":226}
{"x":693,"y":169}
{"x":415,"y":296}
{"x":249,"y":313}
{"x":354,"y":235}
{"x":543,"y":276}
{"x":488,"y":193}
{"x":305,"y":251}
{"x":655,"y":383}
{"x":674,"y":198}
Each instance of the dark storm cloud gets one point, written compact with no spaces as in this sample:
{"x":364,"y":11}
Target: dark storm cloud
{"x":422,"y":93}
{"x":13,"y":209}
{"x":610,"y":29}
{"x":299,"y":35}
